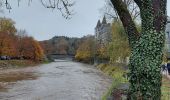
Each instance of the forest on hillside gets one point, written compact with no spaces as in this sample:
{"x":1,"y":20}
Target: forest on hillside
{"x":62,"y":45}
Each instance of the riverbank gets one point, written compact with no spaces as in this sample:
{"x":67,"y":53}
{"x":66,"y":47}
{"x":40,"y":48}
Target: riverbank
{"x":119,"y":87}
{"x":8,"y":64}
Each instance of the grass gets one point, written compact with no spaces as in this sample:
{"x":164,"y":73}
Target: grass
{"x":6,"y":64}
{"x":16,"y":63}
{"x":16,"y":76}
{"x":46,"y":62}
{"x":117,"y":74}
{"x":165,"y":88}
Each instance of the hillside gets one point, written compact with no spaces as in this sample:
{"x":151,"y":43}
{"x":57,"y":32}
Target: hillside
{"x":60,"y":45}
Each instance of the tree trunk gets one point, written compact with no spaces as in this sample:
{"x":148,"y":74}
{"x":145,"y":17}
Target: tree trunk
{"x":146,"y":51}
{"x":146,"y":58}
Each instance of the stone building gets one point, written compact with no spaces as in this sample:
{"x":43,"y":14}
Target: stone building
{"x":103,"y":32}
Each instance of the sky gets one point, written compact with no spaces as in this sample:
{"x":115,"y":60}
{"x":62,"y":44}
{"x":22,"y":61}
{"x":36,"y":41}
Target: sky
{"x":43,"y":24}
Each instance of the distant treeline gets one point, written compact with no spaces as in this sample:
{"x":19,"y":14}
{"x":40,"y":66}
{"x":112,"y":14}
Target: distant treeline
{"x":61,"y":45}
{"x":82,"y":48}
{"x":87,"y":49}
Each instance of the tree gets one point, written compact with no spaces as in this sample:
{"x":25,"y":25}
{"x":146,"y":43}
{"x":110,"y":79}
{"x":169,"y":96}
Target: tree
{"x":110,"y":13}
{"x":118,"y":47}
{"x":7,"y":25}
{"x":31,"y":49}
{"x":47,"y":47}
{"x":17,"y":44}
{"x":101,"y":53}
{"x":62,"y":46}
{"x":25,"y":48}
{"x":38,"y":51}
{"x":85,"y":51}
{"x":64,"y":6}
{"x":146,"y":47}
{"x":7,"y":37}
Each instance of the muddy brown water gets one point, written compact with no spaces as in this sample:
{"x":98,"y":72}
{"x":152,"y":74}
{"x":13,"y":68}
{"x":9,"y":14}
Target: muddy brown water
{"x":60,"y":80}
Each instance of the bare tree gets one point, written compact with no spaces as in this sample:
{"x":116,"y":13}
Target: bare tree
{"x":64,"y":6}
{"x":110,"y":13}
{"x":22,"y":33}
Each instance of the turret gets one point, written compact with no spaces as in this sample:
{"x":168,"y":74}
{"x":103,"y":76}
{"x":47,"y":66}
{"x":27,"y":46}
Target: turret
{"x":104,"y":20}
{"x":98,"y":24}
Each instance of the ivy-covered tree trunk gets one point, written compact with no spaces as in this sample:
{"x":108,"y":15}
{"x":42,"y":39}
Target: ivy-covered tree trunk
{"x":146,"y":47}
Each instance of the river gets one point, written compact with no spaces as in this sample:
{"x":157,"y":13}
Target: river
{"x":60,"y":80}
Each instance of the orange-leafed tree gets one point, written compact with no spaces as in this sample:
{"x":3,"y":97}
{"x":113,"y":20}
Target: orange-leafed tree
{"x":30,"y":49}
{"x":7,"y":37}
{"x":38,"y":51}
{"x":7,"y":46}
{"x":47,"y":47}
{"x":26,"y":48}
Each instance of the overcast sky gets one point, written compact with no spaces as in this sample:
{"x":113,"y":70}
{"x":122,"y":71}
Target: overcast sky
{"x":43,"y":24}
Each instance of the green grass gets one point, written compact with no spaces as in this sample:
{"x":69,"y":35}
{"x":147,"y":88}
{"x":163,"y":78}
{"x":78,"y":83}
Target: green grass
{"x":165,"y":88}
{"x":116,"y":73}
{"x":115,"y":84}
{"x":16,"y":63}
{"x":46,"y":62}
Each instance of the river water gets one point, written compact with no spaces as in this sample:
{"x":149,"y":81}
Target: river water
{"x":60,"y":80}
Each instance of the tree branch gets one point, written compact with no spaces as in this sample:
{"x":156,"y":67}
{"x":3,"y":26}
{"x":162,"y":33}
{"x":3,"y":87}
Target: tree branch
{"x":127,"y":21}
{"x":64,"y":6}
{"x":138,"y":2}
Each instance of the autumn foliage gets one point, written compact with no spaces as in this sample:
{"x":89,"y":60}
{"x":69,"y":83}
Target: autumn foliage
{"x":30,"y":49}
{"x":17,"y":46}
{"x":85,"y":52}
{"x":60,"y":45}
